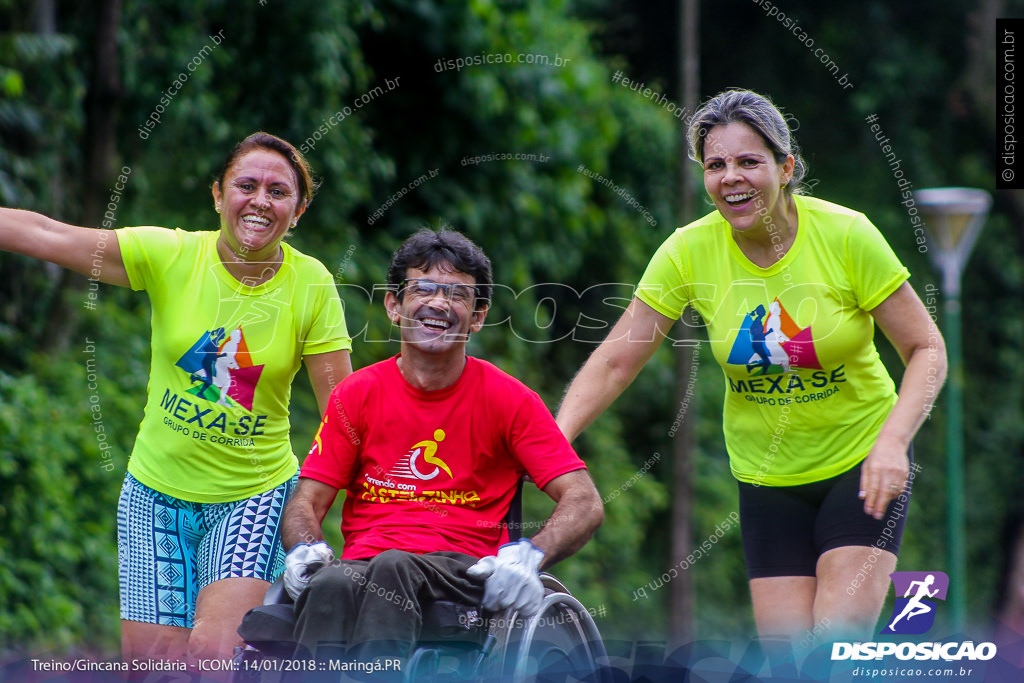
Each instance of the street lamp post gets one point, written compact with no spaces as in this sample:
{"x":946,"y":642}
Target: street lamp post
{"x":954,"y":219}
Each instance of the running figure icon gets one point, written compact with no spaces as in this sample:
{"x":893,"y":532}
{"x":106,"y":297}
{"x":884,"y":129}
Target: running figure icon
{"x":914,"y":606}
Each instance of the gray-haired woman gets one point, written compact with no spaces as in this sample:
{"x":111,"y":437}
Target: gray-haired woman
{"x":790,"y":288}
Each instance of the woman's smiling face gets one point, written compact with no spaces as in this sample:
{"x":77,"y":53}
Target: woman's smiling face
{"x":742,"y":176}
{"x":259,"y":201}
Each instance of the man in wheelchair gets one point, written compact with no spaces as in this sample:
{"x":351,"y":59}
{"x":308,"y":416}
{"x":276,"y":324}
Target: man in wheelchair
{"x":429,"y":447}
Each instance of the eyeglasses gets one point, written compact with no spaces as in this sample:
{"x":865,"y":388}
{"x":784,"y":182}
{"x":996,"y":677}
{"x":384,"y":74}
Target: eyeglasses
{"x":427,"y":289}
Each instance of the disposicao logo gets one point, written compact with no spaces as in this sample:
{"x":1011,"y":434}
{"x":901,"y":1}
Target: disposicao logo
{"x":914,"y":614}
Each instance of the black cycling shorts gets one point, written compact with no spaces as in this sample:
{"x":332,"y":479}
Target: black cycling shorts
{"x":786,"y":529}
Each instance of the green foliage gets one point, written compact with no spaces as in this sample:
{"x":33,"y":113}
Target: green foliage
{"x":41,"y":98}
{"x":66,"y":429}
{"x":60,"y":551}
{"x":35,"y":69}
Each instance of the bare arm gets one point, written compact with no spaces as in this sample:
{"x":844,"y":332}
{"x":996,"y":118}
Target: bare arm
{"x":574,"y":520}
{"x":92,"y":252}
{"x":325,"y":371}
{"x":305,"y":512}
{"x":612,"y":366}
{"x":906,"y":323}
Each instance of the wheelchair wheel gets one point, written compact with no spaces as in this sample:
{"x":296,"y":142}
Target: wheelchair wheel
{"x":560,"y":642}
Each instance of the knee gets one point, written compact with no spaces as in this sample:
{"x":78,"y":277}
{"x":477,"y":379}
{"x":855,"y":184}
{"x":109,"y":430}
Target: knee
{"x":389,"y":563}
{"x":152,"y":641}
{"x":212,"y":641}
{"x":331,"y":582}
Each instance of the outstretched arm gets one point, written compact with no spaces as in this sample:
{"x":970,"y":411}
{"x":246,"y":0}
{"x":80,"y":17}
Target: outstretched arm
{"x":906,"y":323}
{"x":92,"y":252}
{"x":612,"y":366}
{"x":577,"y":515}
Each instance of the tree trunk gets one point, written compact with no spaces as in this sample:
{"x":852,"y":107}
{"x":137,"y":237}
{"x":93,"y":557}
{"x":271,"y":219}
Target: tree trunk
{"x":683,"y":611}
{"x":100,"y":147}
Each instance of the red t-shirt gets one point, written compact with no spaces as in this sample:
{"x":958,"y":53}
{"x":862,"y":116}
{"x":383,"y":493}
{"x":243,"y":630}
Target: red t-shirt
{"x":426,"y":471}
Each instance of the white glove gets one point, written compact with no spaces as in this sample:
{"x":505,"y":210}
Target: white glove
{"x":301,"y":563}
{"x":512,"y":578}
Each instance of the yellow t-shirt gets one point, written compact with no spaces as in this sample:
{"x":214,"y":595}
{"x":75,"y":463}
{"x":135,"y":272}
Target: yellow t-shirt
{"x":806,"y":393}
{"x":224,"y":355}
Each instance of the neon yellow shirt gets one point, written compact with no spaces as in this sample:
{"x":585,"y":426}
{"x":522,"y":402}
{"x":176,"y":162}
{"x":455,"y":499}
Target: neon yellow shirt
{"x":224,"y":355}
{"x":805,"y":391}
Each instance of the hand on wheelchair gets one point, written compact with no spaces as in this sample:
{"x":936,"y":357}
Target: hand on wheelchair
{"x":511,"y":578}
{"x":301,"y":563}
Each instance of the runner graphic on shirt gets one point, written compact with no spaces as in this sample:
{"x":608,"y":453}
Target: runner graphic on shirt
{"x":223,"y":369}
{"x":757,"y":342}
{"x":773,"y":345}
{"x":209,"y":351}
{"x":226,"y":362}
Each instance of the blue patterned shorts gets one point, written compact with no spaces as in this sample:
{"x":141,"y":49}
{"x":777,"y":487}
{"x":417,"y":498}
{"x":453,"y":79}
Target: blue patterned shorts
{"x":169,"y":549}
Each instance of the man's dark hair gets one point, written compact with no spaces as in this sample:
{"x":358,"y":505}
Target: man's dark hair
{"x":447,"y":249}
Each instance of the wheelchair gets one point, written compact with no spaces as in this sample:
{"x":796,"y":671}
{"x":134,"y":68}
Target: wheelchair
{"x":457,"y":643}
